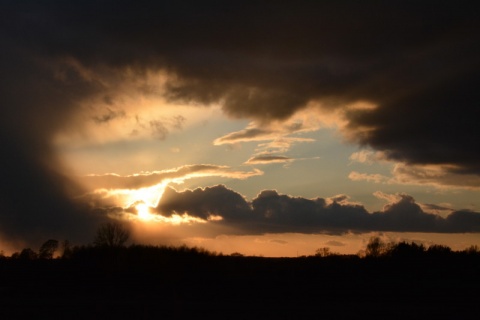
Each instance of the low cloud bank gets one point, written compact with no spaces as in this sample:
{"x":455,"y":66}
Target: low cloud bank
{"x":271,"y":212}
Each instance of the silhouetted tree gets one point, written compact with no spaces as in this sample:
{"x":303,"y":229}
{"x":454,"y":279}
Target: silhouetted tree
{"x":47,"y":249}
{"x":111,"y":235}
{"x":27,"y":254}
{"x":406,"y":250}
{"x":236,"y":254}
{"x":323,"y":252}
{"x":66,"y":249}
{"x":439,"y":250}
{"x":376,"y":247}
{"x":473,"y":249}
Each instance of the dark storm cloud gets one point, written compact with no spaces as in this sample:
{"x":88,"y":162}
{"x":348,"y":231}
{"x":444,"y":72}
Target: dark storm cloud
{"x":35,"y":197}
{"x":417,"y":61}
{"x":271,"y":212}
{"x":203,"y":203}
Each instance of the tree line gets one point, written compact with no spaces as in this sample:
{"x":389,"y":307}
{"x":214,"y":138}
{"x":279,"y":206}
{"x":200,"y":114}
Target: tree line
{"x":111,"y":278}
{"x":114,"y":236}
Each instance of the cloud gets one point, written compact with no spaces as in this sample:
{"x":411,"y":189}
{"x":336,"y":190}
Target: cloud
{"x":279,"y":241}
{"x":280,"y":135}
{"x":282,"y":144}
{"x":271,"y":212}
{"x":390,"y":198}
{"x":204,"y":203}
{"x":436,"y":209}
{"x":36,"y":196}
{"x":405,"y":215}
{"x":372,"y":177}
{"x":425,"y":113}
{"x":335,"y":243}
{"x":108,"y":116}
{"x":266,"y":159}
{"x":249,"y":134}
{"x":367,"y":156}
{"x":148,"y":179}
{"x":159,"y":131}
{"x":159,"y":128}
{"x":440,"y":177}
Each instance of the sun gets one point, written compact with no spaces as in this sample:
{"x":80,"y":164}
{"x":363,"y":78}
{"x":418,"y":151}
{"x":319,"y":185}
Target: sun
{"x":143,"y":212}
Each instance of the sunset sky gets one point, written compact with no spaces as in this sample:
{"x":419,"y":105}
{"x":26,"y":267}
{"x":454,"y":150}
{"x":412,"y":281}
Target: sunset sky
{"x":239,"y":126}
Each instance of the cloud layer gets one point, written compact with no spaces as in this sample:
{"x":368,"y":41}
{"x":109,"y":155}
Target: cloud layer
{"x":266,"y":61}
{"x":271,"y":212}
{"x":148,"y":179}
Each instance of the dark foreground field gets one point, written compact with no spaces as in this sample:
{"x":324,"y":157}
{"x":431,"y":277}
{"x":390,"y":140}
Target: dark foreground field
{"x":149,"y":283}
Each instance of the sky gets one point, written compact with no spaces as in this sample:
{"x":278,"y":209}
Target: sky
{"x":262,"y":128}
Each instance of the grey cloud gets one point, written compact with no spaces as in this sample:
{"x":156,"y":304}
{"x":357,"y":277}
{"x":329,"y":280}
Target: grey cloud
{"x":438,"y":176}
{"x":266,"y":61}
{"x":335,"y":243}
{"x":203,"y":203}
{"x":108,"y":116}
{"x":339,"y":198}
{"x":271,"y":212}
{"x":159,"y":130}
{"x":178,"y":122}
{"x":463,"y":221}
{"x":434,"y":207}
{"x":405,"y":215}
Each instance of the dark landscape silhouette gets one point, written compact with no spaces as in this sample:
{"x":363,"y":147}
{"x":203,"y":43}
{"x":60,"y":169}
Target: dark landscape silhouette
{"x":111,"y":280}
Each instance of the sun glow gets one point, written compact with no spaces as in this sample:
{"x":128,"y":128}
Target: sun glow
{"x":177,"y":219}
{"x":149,"y":196}
{"x":143,"y":212}
{"x":144,"y":202}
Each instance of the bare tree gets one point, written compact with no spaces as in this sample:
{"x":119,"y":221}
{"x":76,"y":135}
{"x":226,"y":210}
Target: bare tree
{"x":473,"y":249}
{"x":375,"y":247}
{"x":47,"y":249}
{"x":111,"y":235}
{"x":323,"y":252}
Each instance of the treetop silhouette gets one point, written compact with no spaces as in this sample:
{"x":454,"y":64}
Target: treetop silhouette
{"x":111,"y":235}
